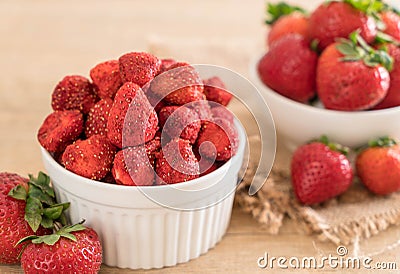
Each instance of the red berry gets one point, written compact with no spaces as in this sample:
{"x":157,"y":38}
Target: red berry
{"x":338,"y":19}
{"x":132,"y":119}
{"x":74,"y":92}
{"x":349,"y":85}
{"x":176,"y":163}
{"x":133,"y":167}
{"x":138,"y":67}
{"x":295,"y":22}
{"x":218,"y":140}
{"x":60,"y":129}
{"x":66,"y":256}
{"x":319,"y":173}
{"x":96,"y":122}
{"x":379,"y":168}
{"x":106,"y":78}
{"x":392,"y":24}
{"x":289,"y":68}
{"x":91,"y":158}
{"x":215,"y":91}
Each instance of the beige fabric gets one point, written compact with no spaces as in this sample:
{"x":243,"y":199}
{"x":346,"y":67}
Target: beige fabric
{"x":354,"y":216}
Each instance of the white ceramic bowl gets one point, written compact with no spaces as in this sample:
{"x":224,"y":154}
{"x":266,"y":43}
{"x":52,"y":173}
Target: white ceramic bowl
{"x":297,"y":123}
{"x":153,"y":226}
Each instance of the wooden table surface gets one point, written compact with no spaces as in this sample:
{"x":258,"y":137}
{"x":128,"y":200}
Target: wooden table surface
{"x":43,"y":40}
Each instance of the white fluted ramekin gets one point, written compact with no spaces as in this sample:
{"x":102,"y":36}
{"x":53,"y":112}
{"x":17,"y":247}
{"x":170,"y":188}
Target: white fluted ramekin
{"x":156,"y":226}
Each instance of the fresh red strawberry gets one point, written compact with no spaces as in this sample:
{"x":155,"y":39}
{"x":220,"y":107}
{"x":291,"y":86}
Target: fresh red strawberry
{"x":222,"y":113}
{"x":179,"y":85}
{"x":285,"y":19}
{"x":72,"y":249}
{"x":289,"y":68}
{"x":392,"y":23}
{"x":392,"y":98}
{"x":12,"y":223}
{"x":91,"y":158}
{"x":106,"y":78}
{"x":352,"y":78}
{"x":132,"y":119}
{"x":138,"y":67}
{"x":166,"y":63}
{"x":215,"y":91}
{"x":60,"y":129}
{"x":378,"y":166}
{"x":218,"y":140}
{"x":26,"y":207}
{"x":74,"y":92}
{"x":180,"y":122}
{"x":338,"y":19}
{"x":176,"y":163}
{"x":319,"y":171}
{"x":133,"y":167}
{"x":96,"y":122}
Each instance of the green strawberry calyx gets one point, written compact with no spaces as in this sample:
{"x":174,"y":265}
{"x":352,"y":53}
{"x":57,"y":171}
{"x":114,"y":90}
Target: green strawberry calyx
{"x":331,"y":145}
{"x":276,"y":11}
{"x":384,"y":141}
{"x":41,"y":207}
{"x":51,"y":239}
{"x":356,"y":49}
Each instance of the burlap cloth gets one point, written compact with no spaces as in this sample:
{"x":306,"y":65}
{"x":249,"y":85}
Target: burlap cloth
{"x":352,"y":217}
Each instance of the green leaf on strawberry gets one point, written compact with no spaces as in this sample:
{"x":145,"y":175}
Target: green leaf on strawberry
{"x":355,"y":48}
{"x":275,"y":11}
{"x":369,"y":7}
{"x":51,"y":239}
{"x":41,"y":206}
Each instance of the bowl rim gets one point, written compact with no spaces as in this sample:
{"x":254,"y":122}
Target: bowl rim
{"x":254,"y":76}
{"x":116,"y":187}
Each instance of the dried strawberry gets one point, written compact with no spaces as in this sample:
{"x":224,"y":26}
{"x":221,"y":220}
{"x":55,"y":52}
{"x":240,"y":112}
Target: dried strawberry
{"x":132,"y":119}
{"x":96,"y":122}
{"x":180,"y":122}
{"x":132,"y":167}
{"x":91,"y":158}
{"x":176,"y":163}
{"x":165,"y":64}
{"x":179,"y":85}
{"x":218,"y":140}
{"x":222,"y":113}
{"x":74,"y":92}
{"x":203,"y":109}
{"x":215,"y":90}
{"x":106,"y":78}
{"x":60,"y":129}
{"x":138,"y":67}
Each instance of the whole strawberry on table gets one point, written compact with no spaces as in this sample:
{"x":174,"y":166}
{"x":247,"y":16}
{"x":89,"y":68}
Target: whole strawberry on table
{"x":344,"y":53}
{"x":28,"y":215}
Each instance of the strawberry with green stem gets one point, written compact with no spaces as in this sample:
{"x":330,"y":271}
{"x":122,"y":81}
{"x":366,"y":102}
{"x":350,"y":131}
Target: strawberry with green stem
{"x":320,"y":171}
{"x":353,"y":76}
{"x":378,"y":166}
{"x":285,"y":19}
{"x":340,"y":18}
{"x":71,"y":248}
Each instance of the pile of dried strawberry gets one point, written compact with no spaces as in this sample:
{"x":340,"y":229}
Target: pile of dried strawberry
{"x":346,"y":53}
{"x":140,"y":121}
